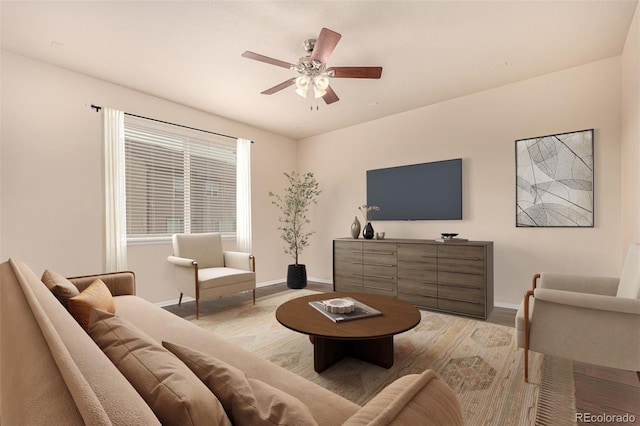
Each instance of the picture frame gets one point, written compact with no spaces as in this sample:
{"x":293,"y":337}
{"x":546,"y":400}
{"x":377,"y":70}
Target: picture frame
{"x":555,"y":180}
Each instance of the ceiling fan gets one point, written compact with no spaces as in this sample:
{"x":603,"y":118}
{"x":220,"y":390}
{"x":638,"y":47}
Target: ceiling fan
{"x":312,"y":68}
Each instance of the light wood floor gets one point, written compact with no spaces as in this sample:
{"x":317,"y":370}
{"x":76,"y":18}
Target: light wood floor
{"x":599,"y":390}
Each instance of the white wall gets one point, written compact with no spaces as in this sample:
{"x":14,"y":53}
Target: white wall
{"x":51,"y":207}
{"x":51,"y":166}
{"x":631,"y":134}
{"x":481,"y":129}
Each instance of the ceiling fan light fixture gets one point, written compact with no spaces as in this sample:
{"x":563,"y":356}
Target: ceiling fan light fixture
{"x":302,"y":85}
{"x":312,"y":68}
{"x":320,"y":85}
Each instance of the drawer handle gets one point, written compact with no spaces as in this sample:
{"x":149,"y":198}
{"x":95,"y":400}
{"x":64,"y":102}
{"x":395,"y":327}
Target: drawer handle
{"x":460,"y":286}
{"x":378,"y":276}
{"x":459,"y":272}
{"x":386,"y":265}
{"x":461,"y":300}
{"x":460,"y":258}
{"x":386,"y":253}
{"x":379,"y":288}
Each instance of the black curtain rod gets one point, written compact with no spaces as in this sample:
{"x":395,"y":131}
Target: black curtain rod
{"x":98,"y":108}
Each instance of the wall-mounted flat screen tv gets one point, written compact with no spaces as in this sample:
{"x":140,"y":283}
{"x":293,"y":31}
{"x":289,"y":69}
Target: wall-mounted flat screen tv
{"x":427,"y":191}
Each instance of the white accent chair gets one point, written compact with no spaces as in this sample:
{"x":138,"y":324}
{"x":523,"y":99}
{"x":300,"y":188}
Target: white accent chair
{"x":595,"y":320}
{"x":204,"y":270}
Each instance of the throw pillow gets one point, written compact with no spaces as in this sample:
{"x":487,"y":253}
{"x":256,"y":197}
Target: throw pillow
{"x":246,"y":401}
{"x":412,"y":399}
{"x":97,"y":295}
{"x":62,"y":288}
{"x":172,"y":391}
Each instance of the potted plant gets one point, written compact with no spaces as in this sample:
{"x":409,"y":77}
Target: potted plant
{"x":294,"y":205}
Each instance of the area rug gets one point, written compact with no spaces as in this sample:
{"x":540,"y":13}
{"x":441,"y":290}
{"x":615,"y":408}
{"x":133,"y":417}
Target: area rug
{"x":478,"y":360}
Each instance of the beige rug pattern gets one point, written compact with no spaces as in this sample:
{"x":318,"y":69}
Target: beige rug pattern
{"x":478,"y":360}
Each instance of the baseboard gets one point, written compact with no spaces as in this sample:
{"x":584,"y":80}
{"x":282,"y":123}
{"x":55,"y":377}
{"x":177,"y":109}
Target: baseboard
{"x":272,"y":282}
{"x":506,"y":305}
{"x":174,"y":301}
{"x":320,"y":281}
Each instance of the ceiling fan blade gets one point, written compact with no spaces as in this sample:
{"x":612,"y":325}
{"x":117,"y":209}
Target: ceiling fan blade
{"x":326,"y":42}
{"x":279,"y":87}
{"x":268,"y":60}
{"x":355,"y":72}
{"x":330,"y":97}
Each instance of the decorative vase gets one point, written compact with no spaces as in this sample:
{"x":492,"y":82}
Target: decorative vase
{"x":355,"y":228}
{"x":368,"y":231}
{"x":296,"y":276}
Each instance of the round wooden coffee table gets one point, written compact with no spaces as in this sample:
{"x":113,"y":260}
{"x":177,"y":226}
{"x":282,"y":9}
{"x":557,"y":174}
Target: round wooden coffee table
{"x":368,"y":339}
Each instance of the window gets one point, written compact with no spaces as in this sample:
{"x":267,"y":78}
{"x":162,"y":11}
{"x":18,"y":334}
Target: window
{"x":177,"y":181}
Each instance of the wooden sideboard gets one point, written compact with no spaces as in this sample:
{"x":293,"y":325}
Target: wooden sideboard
{"x":450,"y":277}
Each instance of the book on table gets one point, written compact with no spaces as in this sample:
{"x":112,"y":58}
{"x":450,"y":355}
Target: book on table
{"x":360,"y":311}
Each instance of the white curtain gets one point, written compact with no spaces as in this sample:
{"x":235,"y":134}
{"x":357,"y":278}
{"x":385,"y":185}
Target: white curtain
{"x":243,"y":197}
{"x":115,"y":197}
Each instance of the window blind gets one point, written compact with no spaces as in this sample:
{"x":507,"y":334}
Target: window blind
{"x":177,"y":181}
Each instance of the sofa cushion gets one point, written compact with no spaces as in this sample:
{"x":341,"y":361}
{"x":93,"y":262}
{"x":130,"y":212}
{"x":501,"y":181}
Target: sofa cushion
{"x":217,"y":277}
{"x":411,"y":400}
{"x":246,"y":401}
{"x":174,"y":393}
{"x":97,"y":295}
{"x":61,"y":287}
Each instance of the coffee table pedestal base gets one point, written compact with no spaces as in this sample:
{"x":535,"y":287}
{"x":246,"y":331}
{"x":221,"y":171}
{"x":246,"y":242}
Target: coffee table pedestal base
{"x":327,"y":352}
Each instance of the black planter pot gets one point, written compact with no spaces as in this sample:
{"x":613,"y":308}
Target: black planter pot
{"x":297,"y":276}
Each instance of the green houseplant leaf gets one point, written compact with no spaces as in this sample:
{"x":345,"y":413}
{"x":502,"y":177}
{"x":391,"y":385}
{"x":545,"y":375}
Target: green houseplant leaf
{"x":294,"y":205}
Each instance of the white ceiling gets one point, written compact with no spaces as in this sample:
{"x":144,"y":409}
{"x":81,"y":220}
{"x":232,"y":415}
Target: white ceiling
{"x":431,"y":51}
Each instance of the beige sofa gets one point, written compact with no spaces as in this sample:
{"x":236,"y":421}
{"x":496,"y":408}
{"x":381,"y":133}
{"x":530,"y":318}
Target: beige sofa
{"x":52,"y":372}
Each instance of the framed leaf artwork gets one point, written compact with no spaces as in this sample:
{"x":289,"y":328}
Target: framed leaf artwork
{"x":554,"y":180}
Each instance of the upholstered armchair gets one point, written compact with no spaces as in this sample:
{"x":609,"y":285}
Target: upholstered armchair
{"x":204,"y":271}
{"x":594,"y":320}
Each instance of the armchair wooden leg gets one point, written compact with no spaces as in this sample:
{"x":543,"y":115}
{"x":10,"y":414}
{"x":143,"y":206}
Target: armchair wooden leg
{"x":180,"y":299}
{"x":528,"y":294}
{"x":254,"y":296}
{"x":526,"y":365}
{"x":197,"y":308}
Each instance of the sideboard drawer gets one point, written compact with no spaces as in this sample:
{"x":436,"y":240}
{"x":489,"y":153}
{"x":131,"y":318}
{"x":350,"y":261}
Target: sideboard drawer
{"x":417,"y":274}
{"x":461,"y":293}
{"x":347,"y":252}
{"x":419,"y":288}
{"x":420,"y":254}
{"x":452,"y":250}
{"x":418,"y":300}
{"x":461,"y":280}
{"x":380,"y":287}
{"x":456,"y":306}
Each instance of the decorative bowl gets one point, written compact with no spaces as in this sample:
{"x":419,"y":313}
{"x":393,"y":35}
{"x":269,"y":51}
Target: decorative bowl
{"x":449,"y":235}
{"x":339,"y":306}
